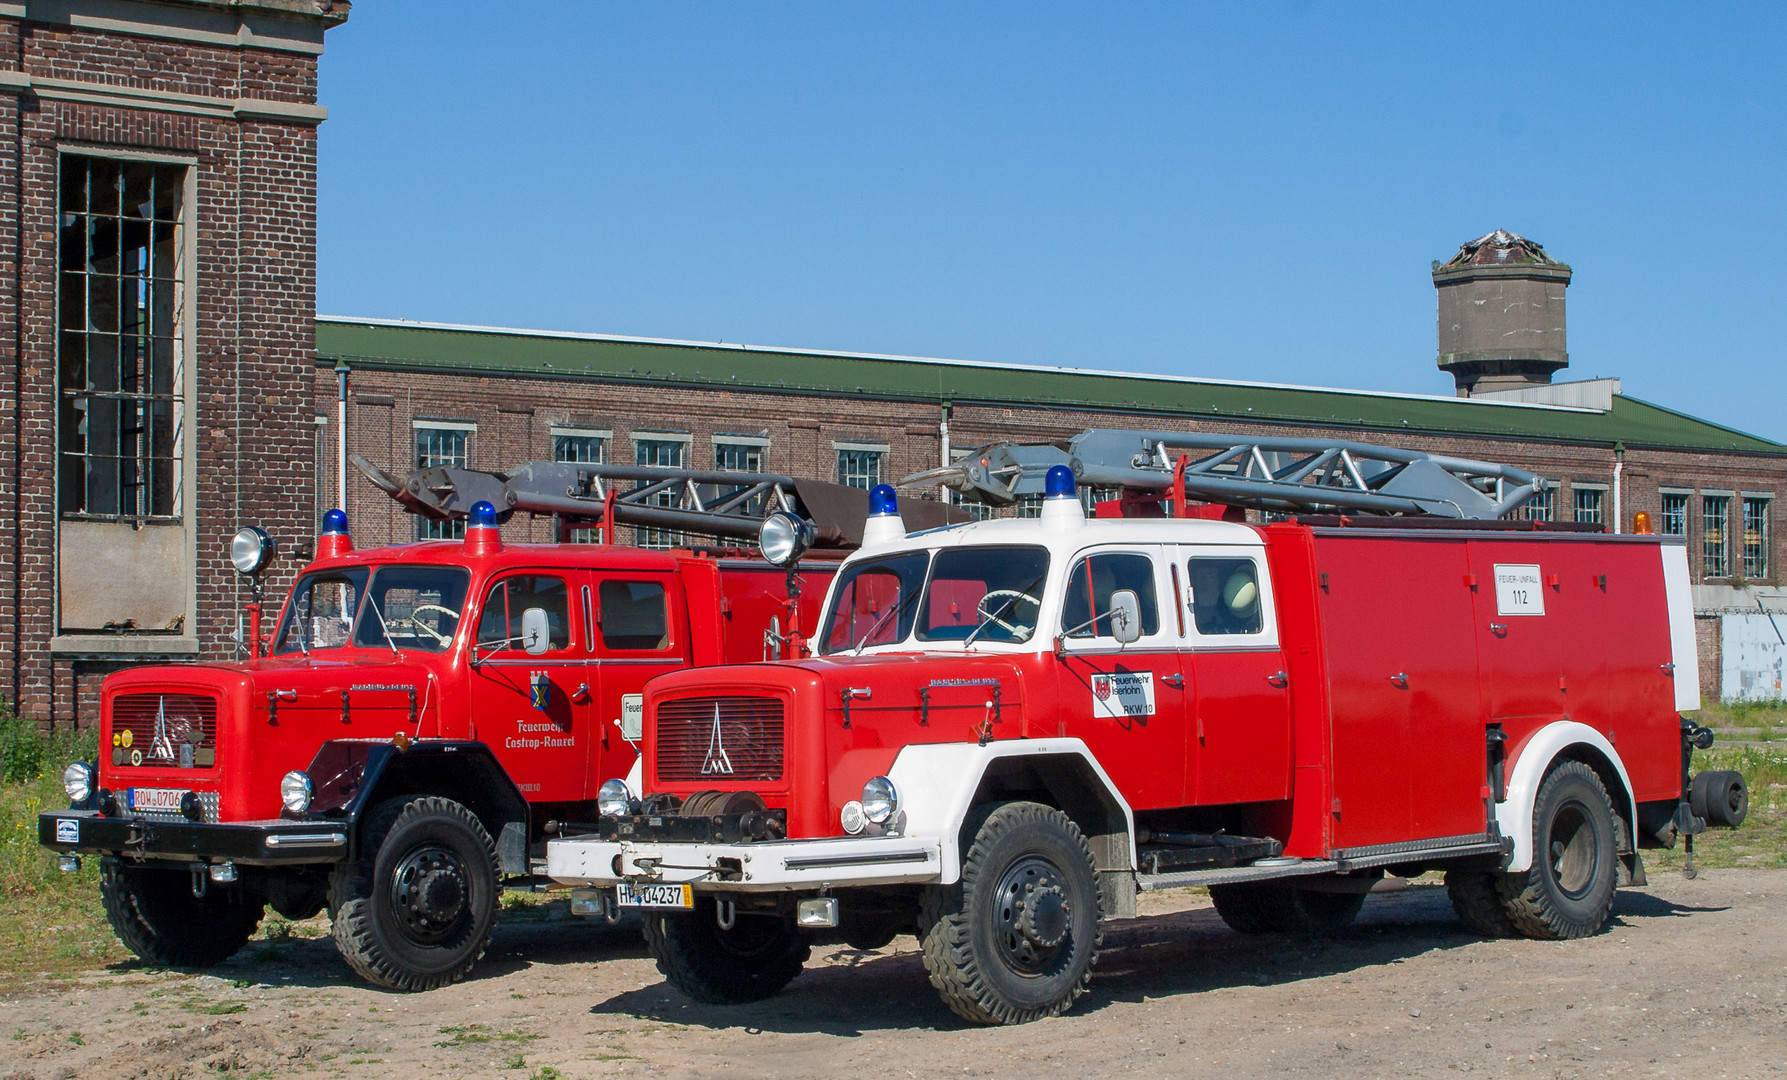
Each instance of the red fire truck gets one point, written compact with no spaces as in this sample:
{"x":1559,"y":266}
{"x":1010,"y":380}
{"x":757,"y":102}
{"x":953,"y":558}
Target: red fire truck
{"x":426,"y":714}
{"x":1010,"y":728}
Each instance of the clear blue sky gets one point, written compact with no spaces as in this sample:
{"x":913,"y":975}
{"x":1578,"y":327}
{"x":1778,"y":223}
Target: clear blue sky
{"x":1233,"y":191}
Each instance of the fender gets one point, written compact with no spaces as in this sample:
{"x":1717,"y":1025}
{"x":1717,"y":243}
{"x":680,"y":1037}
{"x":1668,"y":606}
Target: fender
{"x":938,"y":782}
{"x":1514,"y":815}
{"x":352,"y":776}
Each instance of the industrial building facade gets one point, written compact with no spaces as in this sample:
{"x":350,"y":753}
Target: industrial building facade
{"x":168,"y":380}
{"x":157,"y":289}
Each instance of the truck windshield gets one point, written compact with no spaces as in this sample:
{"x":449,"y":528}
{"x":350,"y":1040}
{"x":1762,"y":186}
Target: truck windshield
{"x":412,"y":607}
{"x":984,"y":594}
{"x":973,"y":594}
{"x":875,"y":603}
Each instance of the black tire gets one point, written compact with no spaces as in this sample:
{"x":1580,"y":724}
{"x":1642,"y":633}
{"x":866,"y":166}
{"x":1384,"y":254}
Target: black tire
{"x":1307,"y":911}
{"x":156,"y":916}
{"x":1568,"y":891}
{"x":996,"y":955}
{"x":1721,"y":797}
{"x":875,"y":931}
{"x":1479,"y":903}
{"x":1241,"y":907}
{"x":417,"y":910}
{"x":752,"y":961}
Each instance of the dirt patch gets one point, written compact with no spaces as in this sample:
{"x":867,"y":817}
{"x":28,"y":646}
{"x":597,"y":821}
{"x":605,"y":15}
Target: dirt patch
{"x":1691,"y":979}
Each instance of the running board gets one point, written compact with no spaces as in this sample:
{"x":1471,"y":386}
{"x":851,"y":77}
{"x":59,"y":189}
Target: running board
{"x":1346,"y":860}
{"x":1227,"y":875}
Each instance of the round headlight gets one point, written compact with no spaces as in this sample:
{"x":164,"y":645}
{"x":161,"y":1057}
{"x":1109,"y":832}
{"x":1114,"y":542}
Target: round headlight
{"x":783,"y":538}
{"x":851,"y":817}
{"x":613,"y":799}
{"x":251,"y":549}
{"x":879,"y":799}
{"x":77,"y":780}
{"x":295,"y":791}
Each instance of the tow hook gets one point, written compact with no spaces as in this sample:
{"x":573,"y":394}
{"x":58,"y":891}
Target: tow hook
{"x":201,"y":880}
{"x":726,"y":912}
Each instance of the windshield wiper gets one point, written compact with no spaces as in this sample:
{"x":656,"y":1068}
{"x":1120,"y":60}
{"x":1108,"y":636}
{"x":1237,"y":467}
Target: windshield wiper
{"x":993,"y":616}
{"x":863,"y":642}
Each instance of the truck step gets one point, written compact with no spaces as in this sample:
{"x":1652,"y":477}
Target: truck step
{"x":1167,"y":852}
{"x":1224,"y":875}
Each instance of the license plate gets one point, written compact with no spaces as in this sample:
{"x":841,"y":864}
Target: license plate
{"x":161,"y":800}
{"x":655,"y":896}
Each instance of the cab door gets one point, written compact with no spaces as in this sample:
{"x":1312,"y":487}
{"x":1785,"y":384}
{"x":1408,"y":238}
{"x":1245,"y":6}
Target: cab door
{"x":1126,"y":701}
{"x":633,"y":638}
{"x":1239,"y":700}
{"x":534,"y":710}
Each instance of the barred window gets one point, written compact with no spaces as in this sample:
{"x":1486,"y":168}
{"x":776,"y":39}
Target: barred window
{"x":977,"y":511}
{"x":859,"y":468}
{"x":1756,"y":537}
{"x":1029,"y":506}
{"x":666,"y":453}
{"x":1542,"y":506}
{"x":1715,"y":543}
{"x":121,"y":349}
{"x":1590,"y":505}
{"x":738,"y":457}
{"x":442,"y":446}
{"x":1090,"y":497}
{"x":1674,"y":515}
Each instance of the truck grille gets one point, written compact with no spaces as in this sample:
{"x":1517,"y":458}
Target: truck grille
{"x":164,"y":731}
{"x":719,"y":739}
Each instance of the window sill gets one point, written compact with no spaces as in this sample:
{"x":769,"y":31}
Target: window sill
{"x":123,"y":645}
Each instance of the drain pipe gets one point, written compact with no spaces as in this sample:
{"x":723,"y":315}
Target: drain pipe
{"x":943,"y":439}
{"x":1619,"y":461}
{"x":341,"y":372}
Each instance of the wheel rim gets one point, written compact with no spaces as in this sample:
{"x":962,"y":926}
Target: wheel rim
{"x":429,"y":894}
{"x":1575,"y":851}
{"x":1032,"y":916}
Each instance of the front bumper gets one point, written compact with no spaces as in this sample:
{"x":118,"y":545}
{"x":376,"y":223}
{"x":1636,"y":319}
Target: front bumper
{"x":269,"y":843}
{"x":776,"y":866}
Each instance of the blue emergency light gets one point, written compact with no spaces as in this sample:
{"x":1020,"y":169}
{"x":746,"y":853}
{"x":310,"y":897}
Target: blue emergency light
{"x":883,"y":501}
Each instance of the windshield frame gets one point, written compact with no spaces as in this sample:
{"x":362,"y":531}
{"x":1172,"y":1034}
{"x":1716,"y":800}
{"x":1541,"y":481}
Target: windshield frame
{"x":915,"y":632}
{"x":366,"y":580}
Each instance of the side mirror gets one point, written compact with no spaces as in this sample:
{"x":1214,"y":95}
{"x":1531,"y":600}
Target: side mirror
{"x":1126,"y":617}
{"x":536,"y":630}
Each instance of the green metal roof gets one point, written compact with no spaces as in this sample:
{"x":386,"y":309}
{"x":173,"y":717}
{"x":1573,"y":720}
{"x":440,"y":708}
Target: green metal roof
{"x":480,"y":351}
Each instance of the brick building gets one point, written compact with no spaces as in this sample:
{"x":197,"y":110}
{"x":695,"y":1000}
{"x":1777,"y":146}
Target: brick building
{"x":157,"y":248}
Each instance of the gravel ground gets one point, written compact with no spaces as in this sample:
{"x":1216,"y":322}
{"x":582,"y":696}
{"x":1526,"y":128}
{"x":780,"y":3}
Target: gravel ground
{"x":1690,"y":980}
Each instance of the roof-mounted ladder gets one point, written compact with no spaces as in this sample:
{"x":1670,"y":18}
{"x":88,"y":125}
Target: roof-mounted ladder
{"x":1288,"y":475}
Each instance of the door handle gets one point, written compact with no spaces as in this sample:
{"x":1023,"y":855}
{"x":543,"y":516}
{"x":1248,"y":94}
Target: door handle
{"x":1279,"y":679}
{"x":1498,"y":628}
{"x":581,"y":694}
{"x":1400,"y":681}
{"x":1175,"y":680}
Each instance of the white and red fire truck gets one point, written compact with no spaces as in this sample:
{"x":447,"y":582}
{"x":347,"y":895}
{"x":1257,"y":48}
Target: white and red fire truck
{"x":1010,"y":728}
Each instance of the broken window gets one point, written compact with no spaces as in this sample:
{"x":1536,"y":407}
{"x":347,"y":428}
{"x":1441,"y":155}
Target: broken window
{"x":121,"y":361}
{"x":1674,"y":517}
{"x":738,"y":457}
{"x":1542,"y":506}
{"x":1756,"y":537}
{"x":1589,"y":504}
{"x":580,"y":448}
{"x":1715,"y":543}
